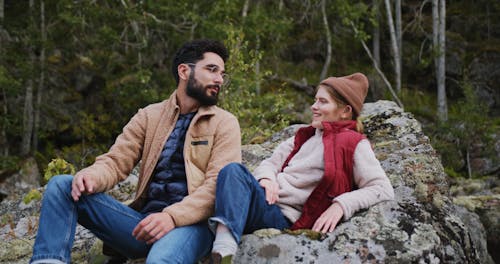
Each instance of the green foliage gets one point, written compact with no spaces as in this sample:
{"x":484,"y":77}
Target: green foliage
{"x":470,"y":115}
{"x":357,"y":14}
{"x":9,"y":120}
{"x":259,"y":114}
{"x":452,"y":173}
{"x":56,"y":167}
{"x":420,"y":103}
{"x":9,"y":164}
{"x":33,"y":195}
{"x":7,"y":80}
{"x":451,"y":155}
{"x":313,"y":235}
{"x":6,"y":219}
{"x":106,"y":59}
{"x":468,"y":125}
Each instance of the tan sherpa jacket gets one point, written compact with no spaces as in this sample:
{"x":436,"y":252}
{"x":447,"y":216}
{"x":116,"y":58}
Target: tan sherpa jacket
{"x":213,"y":140}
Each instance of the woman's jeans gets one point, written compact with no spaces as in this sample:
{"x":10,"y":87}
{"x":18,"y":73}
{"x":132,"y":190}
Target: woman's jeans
{"x":240,"y":204}
{"x":112,"y":222}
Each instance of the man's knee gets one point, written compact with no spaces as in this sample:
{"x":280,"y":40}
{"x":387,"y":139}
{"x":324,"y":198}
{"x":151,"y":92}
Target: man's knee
{"x":185,"y":244}
{"x":233,"y":170}
{"x":59,"y":183}
{"x":160,"y":256}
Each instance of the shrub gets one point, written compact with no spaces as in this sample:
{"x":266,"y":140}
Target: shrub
{"x":56,"y":167}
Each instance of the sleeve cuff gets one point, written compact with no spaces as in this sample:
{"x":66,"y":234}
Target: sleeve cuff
{"x":347,"y":213}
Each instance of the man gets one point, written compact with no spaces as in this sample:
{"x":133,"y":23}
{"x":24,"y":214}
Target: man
{"x":182,"y":144}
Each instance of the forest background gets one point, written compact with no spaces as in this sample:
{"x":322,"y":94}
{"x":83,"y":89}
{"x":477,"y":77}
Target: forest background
{"x":72,"y":73}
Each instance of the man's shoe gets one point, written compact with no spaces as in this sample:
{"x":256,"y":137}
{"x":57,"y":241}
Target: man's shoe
{"x":216,"y":258}
{"x":116,"y":260}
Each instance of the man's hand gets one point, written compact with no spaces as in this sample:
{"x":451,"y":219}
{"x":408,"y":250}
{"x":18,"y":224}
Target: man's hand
{"x":153,"y":227}
{"x":328,"y":219}
{"x":82,"y":184}
{"x":272,"y":190}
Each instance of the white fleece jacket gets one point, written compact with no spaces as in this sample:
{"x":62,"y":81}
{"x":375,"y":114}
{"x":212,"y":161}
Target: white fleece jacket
{"x":306,"y":168}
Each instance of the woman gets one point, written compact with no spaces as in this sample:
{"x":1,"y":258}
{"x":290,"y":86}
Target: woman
{"x":326,"y":172}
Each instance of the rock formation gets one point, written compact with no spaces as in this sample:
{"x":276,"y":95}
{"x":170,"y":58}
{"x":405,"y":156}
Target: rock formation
{"x":421,"y":225}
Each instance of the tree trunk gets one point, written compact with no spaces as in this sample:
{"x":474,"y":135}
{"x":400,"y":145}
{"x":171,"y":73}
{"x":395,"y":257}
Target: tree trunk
{"x":439,"y":43}
{"x":467,"y":157}
{"x":28,"y":99}
{"x":28,"y":117}
{"x":3,"y":135}
{"x":442,"y":61}
{"x":257,"y":67}
{"x":257,"y":50}
{"x":488,"y":21}
{"x":376,"y":35}
{"x":1,"y":13}
{"x":244,"y":11}
{"x":328,"y":42}
{"x":376,"y":84}
{"x":394,"y":45}
{"x":244,"y":14}
{"x":435,"y":29}
{"x":399,"y":32}
{"x":41,"y":83}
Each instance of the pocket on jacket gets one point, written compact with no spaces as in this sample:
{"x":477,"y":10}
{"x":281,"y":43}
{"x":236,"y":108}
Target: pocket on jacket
{"x":201,"y":148}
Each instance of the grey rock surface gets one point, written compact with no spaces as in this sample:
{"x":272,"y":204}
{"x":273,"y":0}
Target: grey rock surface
{"x":422,"y":225}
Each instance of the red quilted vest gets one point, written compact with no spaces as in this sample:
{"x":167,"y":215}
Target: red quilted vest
{"x":340,"y":140}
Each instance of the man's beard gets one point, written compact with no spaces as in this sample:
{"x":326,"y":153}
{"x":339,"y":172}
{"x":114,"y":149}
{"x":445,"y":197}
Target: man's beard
{"x":198,"y":92}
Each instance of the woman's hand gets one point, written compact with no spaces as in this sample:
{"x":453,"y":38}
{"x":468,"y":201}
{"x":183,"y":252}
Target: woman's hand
{"x":272,"y":189}
{"x":328,"y":219}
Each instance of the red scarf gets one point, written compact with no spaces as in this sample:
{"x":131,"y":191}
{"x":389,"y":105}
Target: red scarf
{"x":339,"y":140}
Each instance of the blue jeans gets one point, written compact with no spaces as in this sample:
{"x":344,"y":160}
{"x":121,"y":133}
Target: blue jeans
{"x":112,"y":222}
{"x":240,"y":203}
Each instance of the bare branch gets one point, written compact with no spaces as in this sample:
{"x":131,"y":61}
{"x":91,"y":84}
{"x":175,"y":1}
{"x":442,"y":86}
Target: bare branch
{"x":382,"y":75}
{"x":297,"y":85}
{"x":153,"y":17}
{"x":328,"y":42}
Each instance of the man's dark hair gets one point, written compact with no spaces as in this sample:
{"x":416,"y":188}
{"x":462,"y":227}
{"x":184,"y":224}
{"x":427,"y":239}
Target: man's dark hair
{"x":192,"y":52}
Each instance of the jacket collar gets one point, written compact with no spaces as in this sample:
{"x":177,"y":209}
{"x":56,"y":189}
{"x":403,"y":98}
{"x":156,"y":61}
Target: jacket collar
{"x":338,"y":126}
